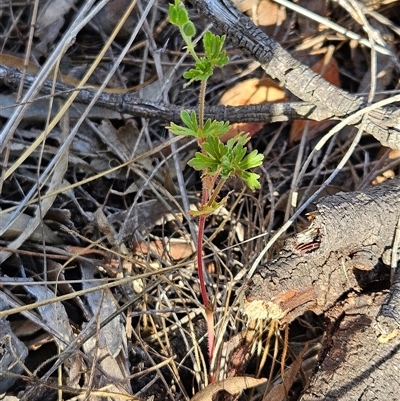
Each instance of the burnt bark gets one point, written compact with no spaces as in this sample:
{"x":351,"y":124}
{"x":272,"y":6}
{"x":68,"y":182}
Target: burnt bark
{"x":361,"y":361}
{"x":347,"y":246}
{"x":382,"y":123}
{"x":345,"y":252}
{"x":321,"y":100}
{"x":292,"y":74}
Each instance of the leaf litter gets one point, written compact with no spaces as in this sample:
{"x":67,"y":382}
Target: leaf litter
{"x":51,"y":200}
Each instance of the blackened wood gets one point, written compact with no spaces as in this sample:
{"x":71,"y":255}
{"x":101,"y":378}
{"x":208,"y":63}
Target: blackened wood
{"x":292,"y":74}
{"x":360,"y":362}
{"x":380,"y":123}
{"x":132,"y":104}
{"x":346,"y":247}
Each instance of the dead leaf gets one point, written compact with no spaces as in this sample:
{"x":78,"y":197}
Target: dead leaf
{"x":331,"y":74}
{"x":245,"y":5}
{"x":50,"y":21}
{"x":18,"y":226}
{"x":54,"y":318}
{"x":264,"y":13}
{"x":232,"y":385}
{"x":176,"y":249}
{"x":251,"y":91}
{"x":146,"y":214}
{"x":104,"y":225}
{"x":13,"y":353}
{"x":102,"y":305}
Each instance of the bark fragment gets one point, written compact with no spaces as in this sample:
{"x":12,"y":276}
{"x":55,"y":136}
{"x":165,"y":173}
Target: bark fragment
{"x":345,"y":248}
{"x":359,"y":364}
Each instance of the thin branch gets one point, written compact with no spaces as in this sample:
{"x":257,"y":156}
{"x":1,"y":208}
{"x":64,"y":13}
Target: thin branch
{"x":383,"y":123}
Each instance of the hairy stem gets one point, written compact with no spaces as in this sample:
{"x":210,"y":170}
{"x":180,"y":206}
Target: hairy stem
{"x":202,"y":101}
{"x":200,"y":264}
{"x":206,"y":301}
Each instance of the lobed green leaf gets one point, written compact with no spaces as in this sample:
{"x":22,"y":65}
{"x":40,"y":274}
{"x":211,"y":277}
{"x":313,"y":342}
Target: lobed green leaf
{"x":215,"y":148}
{"x":251,"y":180}
{"x":203,"y":162}
{"x":213,"y":45}
{"x":182,"y":131}
{"x":190,"y":120}
{"x":253,"y":159}
{"x":215,"y":128}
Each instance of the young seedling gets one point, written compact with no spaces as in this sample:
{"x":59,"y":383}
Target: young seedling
{"x":216,"y":160}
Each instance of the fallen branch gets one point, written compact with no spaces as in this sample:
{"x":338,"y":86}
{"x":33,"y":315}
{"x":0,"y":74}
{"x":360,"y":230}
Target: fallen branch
{"x":381,"y":124}
{"x":292,"y":74}
{"x":358,"y":362}
{"x":347,"y":246}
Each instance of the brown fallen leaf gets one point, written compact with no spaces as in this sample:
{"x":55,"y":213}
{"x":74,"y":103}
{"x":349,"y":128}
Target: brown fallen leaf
{"x":232,"y":385}
{"x":251,"y":91}
{"x":175,"y":250}
{"x":264,"y":13}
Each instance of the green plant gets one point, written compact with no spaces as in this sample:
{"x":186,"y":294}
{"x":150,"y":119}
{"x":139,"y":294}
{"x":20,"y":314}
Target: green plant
{"x":218,"y":161}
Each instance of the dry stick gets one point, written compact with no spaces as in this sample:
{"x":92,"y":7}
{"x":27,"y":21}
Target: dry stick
{"x":383,"y":123}
{"x":21,"y":87}
{"x":293,"y":75}
{"x":67,"y":40}
{"x":76,"y":127}
{"x":131,"y":103}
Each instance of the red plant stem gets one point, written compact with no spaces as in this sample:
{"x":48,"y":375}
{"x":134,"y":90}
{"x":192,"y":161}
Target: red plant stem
{"x":206,"y":192}
{"x":205,"y":196}
{"x":200,"y":265}
{"x":204,"y":294}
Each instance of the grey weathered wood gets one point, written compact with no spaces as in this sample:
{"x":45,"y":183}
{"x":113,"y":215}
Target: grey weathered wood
{"x":346,"y":248}
{"x":292,"y":74}
{"x":343,"y":249}
{"x":360,"y":363}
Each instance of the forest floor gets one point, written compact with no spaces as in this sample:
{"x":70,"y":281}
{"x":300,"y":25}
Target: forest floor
{"x":99,"y":293}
